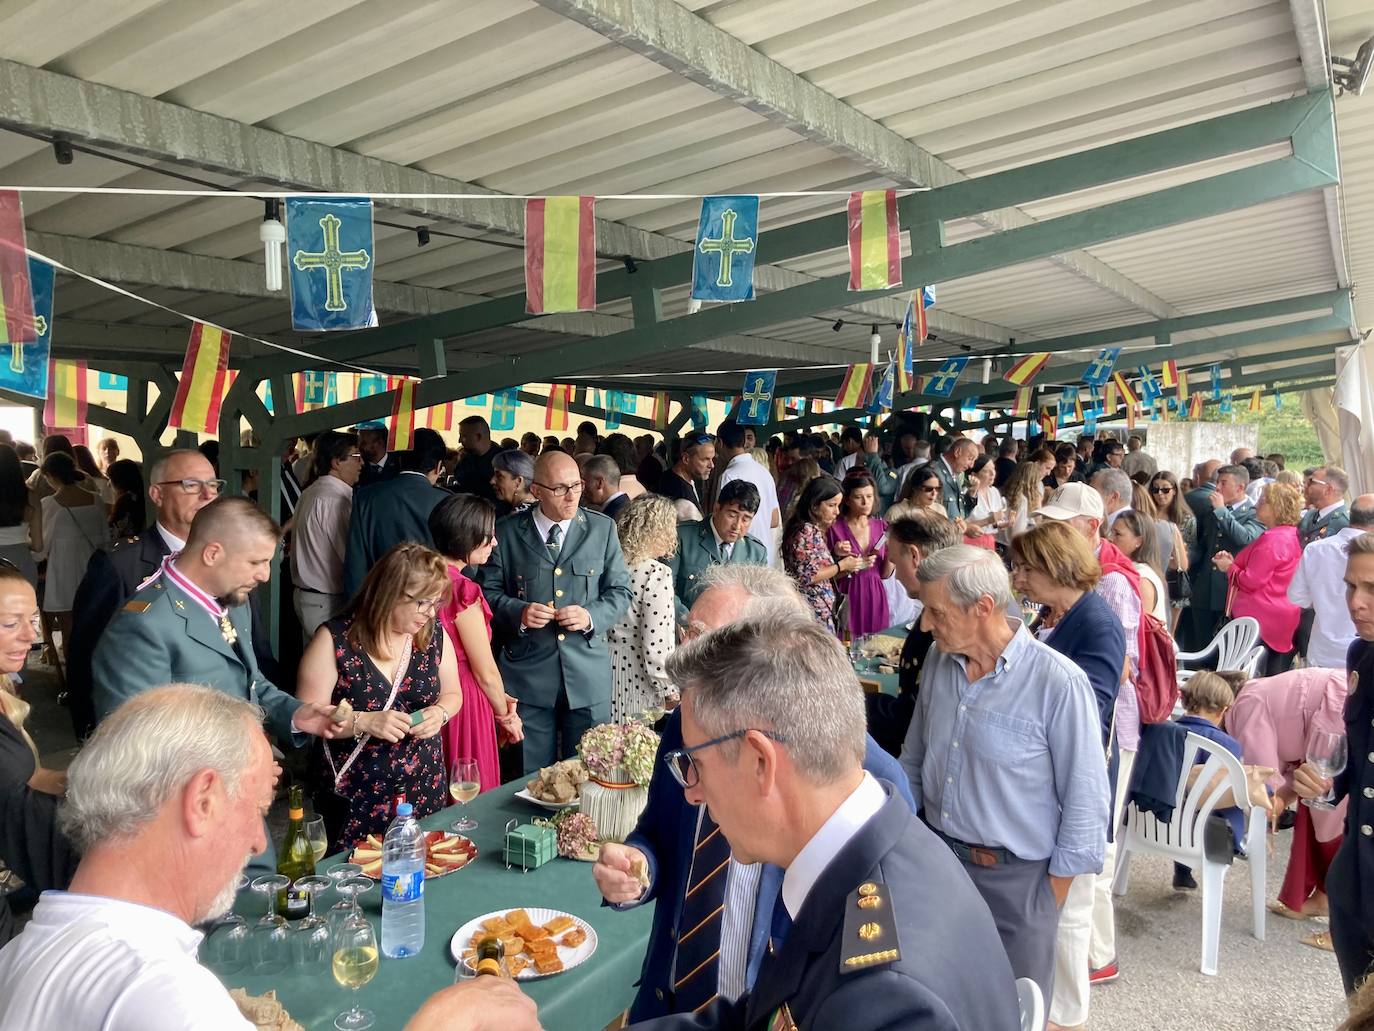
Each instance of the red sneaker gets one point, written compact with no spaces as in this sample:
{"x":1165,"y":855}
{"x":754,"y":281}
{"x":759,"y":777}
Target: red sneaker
{"x":1104,"y":975}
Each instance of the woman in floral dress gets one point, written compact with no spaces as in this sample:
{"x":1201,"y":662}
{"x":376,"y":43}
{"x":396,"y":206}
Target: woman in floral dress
{"x":390,"y":659}
{"x":806,"y":555}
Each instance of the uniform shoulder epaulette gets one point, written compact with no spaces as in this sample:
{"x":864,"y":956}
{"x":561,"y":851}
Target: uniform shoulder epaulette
{"x":870,"y":929}
{"x":127,"y":540}
{"x":134,"y":605}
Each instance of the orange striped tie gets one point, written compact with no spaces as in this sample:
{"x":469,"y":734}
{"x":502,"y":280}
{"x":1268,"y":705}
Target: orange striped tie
{"x":698,"y":942}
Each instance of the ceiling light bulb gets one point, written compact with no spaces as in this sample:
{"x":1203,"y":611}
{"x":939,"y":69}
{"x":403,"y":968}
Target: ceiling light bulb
{"x":875,"y":341}
{"x":273,"y":236}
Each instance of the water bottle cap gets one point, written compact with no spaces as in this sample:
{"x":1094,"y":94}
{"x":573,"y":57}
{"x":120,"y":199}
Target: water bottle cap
{"x":404,"y":810}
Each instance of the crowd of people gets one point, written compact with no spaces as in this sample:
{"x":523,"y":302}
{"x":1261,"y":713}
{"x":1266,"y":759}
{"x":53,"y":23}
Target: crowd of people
{"x":496,"y":601}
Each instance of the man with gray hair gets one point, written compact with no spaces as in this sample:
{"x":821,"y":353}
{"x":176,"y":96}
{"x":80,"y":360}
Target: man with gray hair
{"x":950,"y":467}
{"x":1005,"y":755}
{"x":601,"y":475}
{"x":712,"y":914}
{"x":875,"y":924}
{"x":1115,"y":488}
{"x":1324,"y":493}
{"x":165,"y":804}
{"x":1318,"y":588}
{"x":1228,"y":522}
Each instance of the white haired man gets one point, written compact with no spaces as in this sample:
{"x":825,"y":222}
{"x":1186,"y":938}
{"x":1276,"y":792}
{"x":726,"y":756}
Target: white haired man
{"x":166,"y":803}
{"x":1004,"y":753}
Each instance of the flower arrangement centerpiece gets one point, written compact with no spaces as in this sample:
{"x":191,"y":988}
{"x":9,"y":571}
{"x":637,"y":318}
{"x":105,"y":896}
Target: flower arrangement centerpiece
{"x":620,"y":759}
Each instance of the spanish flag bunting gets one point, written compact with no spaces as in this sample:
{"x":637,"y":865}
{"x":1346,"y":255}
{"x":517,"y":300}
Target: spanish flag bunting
{"x":1182,"y":386}
{"x":854,"y":390}
{"x":875,"y":252}
{"x":65,"y":410}
{"x":1168,"y":376}
{"x":560,"y":254}
{"x":1111,"y":403}
{"x":16,"y":292}
{"x":1255,"y":401}
{"x":402,"y":434}
{"x":1130,"y":417}
{"x":1128,"y":396}
{"x":203,"y":381}
{"x":1047,"y":426}
{"x":1023,"y":401}
{"x":661,"y":404}
{"x":556,"y":409}
{"x":440,"y":417}
{"x":1026,"y":368}
{"x":1195,"y":406}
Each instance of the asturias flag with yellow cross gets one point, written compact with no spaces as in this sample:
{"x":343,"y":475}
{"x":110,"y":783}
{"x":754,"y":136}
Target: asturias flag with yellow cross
{"x":726,"y":244}
{"x":329,"y":249}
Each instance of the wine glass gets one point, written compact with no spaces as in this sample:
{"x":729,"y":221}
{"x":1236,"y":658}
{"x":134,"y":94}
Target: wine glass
{"x":349,"y":889}
{"x":310,"y":942}
{"x":317,"y":836}
{"x":1325,"y":751}
{"x":226,"y":946}
{"x":354,"y":964}
{"x":463,"y":784}
{"x":270,"y":936}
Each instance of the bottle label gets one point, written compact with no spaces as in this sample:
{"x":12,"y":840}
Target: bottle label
{"x":297,"y":904}
{"x":406,"y":887}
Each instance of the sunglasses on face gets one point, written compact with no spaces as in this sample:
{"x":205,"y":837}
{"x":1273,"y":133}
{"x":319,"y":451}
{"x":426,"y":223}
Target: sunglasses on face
{"x":1161,"y":490}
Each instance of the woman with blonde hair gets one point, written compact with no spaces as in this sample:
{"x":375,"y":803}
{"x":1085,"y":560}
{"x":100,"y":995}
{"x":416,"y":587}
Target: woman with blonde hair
{"x":1022,"y":494}
{"x":644,"y":638}
{"x":390,"y":659}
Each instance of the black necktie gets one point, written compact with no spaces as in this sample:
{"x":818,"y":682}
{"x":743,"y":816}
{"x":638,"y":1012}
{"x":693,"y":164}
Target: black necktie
{"x":553,"y":541}
{"x":698,"y":943}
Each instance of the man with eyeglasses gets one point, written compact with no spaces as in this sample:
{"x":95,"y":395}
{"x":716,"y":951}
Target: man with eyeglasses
{"x":181,"y":483}
{"x":556,"y":582}
{"x":1326,"y":513}
{"x":873,"y":925}
{"x":319,"y":532}
{"x":674,"y":837}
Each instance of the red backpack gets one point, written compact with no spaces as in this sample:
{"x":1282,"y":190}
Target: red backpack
{"x":1156,"y":685}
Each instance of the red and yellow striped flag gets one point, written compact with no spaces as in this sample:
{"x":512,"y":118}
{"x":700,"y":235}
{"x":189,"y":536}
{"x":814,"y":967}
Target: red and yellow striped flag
{"x":854,"y":390}
{"x":1182,"y":386}
{"x":1026,"y":368}
{"x":1255,"y":401}
{"x":203,"y":380}
{"x":1195,"y":406}
{"x":556,"y":408}
{"x":1047,"y":426}
{"x":1112,"y":400}
{"x":1128,"y":396}
{"x":1168,"y":376}
{"x":16,"y":292}
{"x":1130,"y":417}
{"x":402,"y":434}
{"x":875,"y":252}
{"x":661,"y":404}
{"x":1022,"y":406}
{"x":560,"y":254}
{"x":65,"y":410}
{"x":440,"y":417}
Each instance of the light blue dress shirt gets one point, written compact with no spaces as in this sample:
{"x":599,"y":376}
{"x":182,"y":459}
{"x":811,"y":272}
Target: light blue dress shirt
{"x":1013,"y":760}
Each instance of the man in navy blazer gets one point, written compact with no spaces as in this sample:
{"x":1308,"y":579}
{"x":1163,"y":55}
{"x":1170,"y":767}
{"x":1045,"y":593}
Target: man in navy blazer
{"x":666,"y":832}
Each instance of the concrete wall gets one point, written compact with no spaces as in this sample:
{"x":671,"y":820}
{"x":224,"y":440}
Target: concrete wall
{"x":1178,"y":446}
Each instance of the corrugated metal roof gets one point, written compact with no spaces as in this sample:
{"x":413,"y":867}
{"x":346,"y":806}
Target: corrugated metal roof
{"x":516,"y":98}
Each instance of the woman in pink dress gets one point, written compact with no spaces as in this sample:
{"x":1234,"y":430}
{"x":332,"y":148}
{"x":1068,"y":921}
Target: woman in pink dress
{"x":858,"y":533}
{"x":464,"y":531}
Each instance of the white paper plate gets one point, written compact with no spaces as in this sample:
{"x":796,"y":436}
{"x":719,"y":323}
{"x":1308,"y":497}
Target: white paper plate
{"x":571,"y":957}
{"x":552,"y":806}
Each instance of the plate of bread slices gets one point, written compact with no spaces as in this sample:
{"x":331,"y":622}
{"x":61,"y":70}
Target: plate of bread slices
{"x":537,"y":942}
{"x":446,"y":852}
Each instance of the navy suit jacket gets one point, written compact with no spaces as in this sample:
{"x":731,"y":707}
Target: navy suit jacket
{"x":384,"y":515}
{"x":666,"y":834}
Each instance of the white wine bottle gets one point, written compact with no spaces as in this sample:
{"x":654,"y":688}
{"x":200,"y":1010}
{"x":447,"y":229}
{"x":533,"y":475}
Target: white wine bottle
{"x":295,"y":859}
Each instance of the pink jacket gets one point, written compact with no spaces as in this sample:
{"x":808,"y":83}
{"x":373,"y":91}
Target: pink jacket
{"x":1260,"y":577}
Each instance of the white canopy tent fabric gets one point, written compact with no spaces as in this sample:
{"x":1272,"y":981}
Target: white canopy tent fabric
{"x":1353,"y":398}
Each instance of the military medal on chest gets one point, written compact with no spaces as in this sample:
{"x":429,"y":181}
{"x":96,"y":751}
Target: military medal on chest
{"x":226,"y":629}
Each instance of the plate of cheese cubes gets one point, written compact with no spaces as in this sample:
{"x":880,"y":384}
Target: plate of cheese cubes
{"x":445,"y":852}
{"x":538,"y":942}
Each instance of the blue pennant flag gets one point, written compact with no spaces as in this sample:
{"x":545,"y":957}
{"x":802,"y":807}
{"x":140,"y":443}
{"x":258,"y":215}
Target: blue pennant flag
{"x":370,"y":384}
{"x":882,"y":397}
{"x":503,"y":406}
{"x":615,"y":404}
{"x":1278,"y":401}
{"x":968,"y":407}
{"x":701,"y":413}
{"x":1149,"y":386}
{"x":111,"y":381}
{"x":476,"y":401}
{"x":267,"y":396}
{"x":26,"y":370}
{"x":756,"y":397}
{"x":1068,"y":403}
{"x":628,"y":403}
{"x":941,"y":384}
{"x":928,"y":293}
{"x":330,"y":251}
{"x":727,"y":241}
{"x":315,"y":388}
{"x":1226,"y":408}
{"x":1100,"y":370}
{"x":1215,"y":371}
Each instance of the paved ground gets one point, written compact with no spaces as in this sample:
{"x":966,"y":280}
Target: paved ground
{"x":1275,"y":985}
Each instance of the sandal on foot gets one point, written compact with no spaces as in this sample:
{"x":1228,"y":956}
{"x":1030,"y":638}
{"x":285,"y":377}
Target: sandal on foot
{"x":1279,"y":909}
{"x":1319,"y":940}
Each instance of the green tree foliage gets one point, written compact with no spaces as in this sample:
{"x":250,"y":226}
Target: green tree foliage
{"x":1283,"y":429}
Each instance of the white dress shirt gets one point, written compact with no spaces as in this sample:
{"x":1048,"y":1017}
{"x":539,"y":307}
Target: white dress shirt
{"x":543,"y":524}
{"x":320,"y":536}
{"x":818,"y":853}
{"x":845,"y":464}
{"x":743,"y":467}
{"x":174,"y":544}
{"x":86,"y":961}
{"x":1319,"y":584}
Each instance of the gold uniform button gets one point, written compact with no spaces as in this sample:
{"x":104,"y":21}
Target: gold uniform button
{"x":868,"y":888}
{"x":558,"y":594}
{"x":560,"y":637}
{"x":557,"y":571}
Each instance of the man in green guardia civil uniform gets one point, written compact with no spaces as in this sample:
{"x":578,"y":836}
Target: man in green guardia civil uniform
{"x":556,"y":583}
{"x":724,"y":538}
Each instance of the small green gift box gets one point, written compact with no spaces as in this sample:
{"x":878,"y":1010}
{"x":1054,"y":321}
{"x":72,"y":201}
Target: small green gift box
{"x":529,"y":846}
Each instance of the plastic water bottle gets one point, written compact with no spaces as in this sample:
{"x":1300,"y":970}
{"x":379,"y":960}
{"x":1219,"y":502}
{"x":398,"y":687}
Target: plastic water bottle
{"x":403,"y":886}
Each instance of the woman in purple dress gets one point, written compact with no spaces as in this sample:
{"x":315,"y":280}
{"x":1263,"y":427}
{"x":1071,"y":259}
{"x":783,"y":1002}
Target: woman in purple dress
{"x":857,"y":533}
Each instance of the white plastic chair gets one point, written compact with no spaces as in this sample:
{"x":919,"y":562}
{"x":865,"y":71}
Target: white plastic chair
{"x":1181,"y":838}
{"x":1032,"y":1004}
{"x":1233,"y":644}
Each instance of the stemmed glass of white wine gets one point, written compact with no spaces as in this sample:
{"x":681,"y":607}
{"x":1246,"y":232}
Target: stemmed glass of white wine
{"x":354,"y":964}
{"x":317,"y":836}
{"x":464,"y":784}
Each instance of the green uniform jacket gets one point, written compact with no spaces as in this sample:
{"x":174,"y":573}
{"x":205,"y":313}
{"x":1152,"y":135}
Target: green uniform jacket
{"x":590,"y":572}
{"x":162,"y":636}
{"x":951,"y":487}
{"x":1310,"y":528}
{"x":1221,"y":529}
{"x":696,"y":549}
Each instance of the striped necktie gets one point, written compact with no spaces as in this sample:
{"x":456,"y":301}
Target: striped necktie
{"x":554,"y":541}
{"x":698,"y":943}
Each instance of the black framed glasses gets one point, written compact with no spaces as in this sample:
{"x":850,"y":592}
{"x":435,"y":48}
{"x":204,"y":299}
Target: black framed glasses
{"x":562,"y":490}
{"x":1162,"y":490}
{"x":193,"y":486}
{"x":684,"y":768}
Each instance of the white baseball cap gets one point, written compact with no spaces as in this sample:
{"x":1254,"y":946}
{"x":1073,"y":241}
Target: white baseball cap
{"x":1073,"y":499}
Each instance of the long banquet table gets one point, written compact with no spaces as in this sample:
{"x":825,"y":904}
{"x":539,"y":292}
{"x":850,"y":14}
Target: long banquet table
{"x":585,"y":998}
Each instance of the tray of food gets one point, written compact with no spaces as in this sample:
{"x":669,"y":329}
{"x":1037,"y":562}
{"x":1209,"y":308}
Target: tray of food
{"x":538,"y":942}
{"x":557,"y":787}
{"x":447,"y":852}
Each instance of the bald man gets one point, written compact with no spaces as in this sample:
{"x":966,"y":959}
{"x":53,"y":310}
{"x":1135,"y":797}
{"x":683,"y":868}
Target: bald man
{"x":556,"y":582}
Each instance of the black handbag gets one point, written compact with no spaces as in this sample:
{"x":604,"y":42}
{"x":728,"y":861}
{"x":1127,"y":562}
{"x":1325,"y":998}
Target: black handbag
{"x":1180,"y":587}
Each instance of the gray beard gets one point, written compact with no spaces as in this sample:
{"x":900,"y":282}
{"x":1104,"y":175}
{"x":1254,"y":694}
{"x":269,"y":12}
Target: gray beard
{"x":224,"y":901}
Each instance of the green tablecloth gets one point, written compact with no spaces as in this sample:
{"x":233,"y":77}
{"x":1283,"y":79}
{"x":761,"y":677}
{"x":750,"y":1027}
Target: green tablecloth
{"x":887,"y":682}
{"x":584,"y":999}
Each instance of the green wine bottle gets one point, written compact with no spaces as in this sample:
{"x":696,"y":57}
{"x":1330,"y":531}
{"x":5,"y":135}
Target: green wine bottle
{"x":296,"y":859}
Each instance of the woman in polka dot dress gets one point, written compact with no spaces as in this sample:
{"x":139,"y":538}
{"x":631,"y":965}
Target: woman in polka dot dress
{"x":642,"y":641}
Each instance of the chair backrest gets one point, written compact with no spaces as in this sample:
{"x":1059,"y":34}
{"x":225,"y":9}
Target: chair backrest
{"x":1250,"y":667}
{"x":1235,"y":641}
{"x":1032,"y":1003}
{"x":1183,"y":835}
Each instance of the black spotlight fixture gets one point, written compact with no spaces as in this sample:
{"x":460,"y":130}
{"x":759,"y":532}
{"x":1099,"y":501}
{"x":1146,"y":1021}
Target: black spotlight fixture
{"x":839,"y":325}
{"x":630,"y":265}
{"x":62,"y":150}
{"x":422,"y":236}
